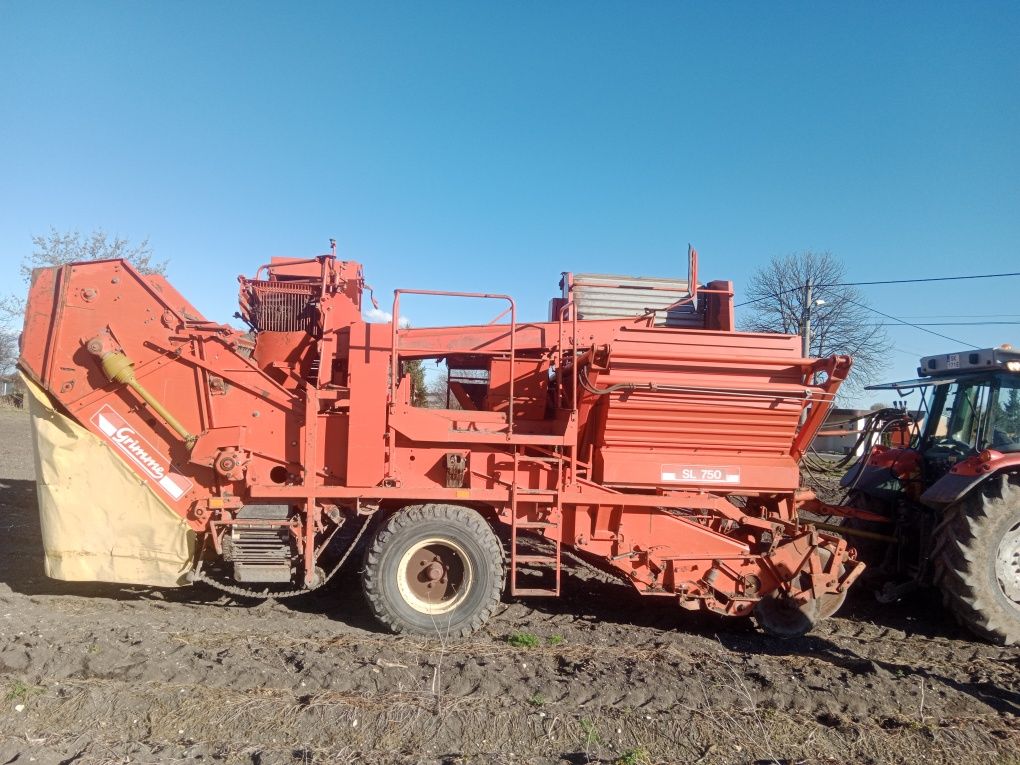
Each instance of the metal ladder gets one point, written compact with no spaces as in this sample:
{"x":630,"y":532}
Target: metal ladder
{"x":555,"y":515}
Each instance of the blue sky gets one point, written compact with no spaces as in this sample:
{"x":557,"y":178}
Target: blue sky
{"x":485,"y":146}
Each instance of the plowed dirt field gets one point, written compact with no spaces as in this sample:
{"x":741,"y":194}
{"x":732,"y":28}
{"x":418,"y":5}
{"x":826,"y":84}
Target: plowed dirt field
{"x":101,"y":673}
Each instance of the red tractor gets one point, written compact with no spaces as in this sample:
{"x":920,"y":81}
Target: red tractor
{"x":634,"y":426}
{"x":943,"y":508}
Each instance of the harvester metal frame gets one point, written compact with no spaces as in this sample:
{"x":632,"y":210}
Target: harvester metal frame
{"x":626,"y":441}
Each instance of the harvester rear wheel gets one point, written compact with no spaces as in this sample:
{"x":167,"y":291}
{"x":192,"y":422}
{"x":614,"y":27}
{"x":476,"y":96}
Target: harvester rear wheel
{"x":830,"y":602}
{"x":434,"y":569}
{"x":783,"y":617}
{"x":977,"y":562}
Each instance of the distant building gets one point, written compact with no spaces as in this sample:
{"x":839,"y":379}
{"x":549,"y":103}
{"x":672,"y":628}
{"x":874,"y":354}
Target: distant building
{"x":845,"y":426}
{"x":12,"y":390}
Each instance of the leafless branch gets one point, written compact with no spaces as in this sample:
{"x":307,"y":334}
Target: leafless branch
{"x":841,"y":324}
{"x":56,"y":249}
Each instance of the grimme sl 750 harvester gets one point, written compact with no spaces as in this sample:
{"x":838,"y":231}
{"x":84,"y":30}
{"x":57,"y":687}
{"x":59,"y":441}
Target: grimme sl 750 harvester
{"x":634,"y":427}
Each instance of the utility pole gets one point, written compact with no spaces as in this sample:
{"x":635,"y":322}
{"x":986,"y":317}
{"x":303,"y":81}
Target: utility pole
{"x":805,"y":323}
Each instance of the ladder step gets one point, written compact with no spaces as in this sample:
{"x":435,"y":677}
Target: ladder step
{"x":525,"y":458}
{"x":531,"y":591}
{"x":550,"y":492}
{"x":541,"y":560}
{"x":536,"y":525}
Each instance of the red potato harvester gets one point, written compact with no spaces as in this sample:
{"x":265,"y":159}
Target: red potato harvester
{"x":635,"y":428}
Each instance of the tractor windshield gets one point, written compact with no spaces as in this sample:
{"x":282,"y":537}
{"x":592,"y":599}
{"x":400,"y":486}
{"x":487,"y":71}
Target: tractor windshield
{"x":972,"y":414}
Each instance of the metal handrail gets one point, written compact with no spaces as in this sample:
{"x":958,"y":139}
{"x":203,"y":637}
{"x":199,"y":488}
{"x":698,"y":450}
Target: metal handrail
{"x":394,"y":338}
{"x":568,"y":306}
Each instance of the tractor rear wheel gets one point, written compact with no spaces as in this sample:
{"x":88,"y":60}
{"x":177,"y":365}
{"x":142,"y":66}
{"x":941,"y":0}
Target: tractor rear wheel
{"x":977,"y":561}
{"x":434,"y":570}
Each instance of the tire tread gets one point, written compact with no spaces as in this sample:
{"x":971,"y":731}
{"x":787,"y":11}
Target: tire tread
{"x":411,"y":516}
{"x":962,"y":550}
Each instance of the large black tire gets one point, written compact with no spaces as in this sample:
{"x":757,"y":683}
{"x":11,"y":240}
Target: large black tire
{"x":977,"y":561}
{"x":434,"y":570}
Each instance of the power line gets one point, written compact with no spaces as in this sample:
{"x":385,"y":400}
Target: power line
{"x":959,"y":315}
{"x":915,"y":354}
{"x":921,"y":326}
{"x":885,"y":281}
{"x":769,"y":297}
{"x":951,"y":324}
{"x":907,"y":323}
{"x":926,"y":279}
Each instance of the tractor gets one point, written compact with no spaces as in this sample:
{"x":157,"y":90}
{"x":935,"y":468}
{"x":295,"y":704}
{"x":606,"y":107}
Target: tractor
{"x":939,"y":503}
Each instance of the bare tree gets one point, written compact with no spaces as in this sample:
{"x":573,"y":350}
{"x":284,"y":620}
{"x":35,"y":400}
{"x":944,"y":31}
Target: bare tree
{"x":779,"y":301}
{"x":57,"y":249}
{"x":12,"y":308}
{"x":8,"y":351}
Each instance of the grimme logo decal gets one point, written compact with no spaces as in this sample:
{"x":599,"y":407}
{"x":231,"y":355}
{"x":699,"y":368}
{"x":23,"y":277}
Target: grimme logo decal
{"x":140,"y":451}
{"x":128,"y":440}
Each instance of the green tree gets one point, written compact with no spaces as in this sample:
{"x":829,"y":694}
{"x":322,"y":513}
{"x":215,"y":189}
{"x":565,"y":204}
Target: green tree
{"x":1011,"y":410}
{"x":419,"y":390}
{"x":12,"y":310}
{"x":57,"y":249}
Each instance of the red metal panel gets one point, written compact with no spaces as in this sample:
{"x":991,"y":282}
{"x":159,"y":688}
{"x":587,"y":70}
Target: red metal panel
{"x":368,"y":370}
{"x":719,"y":399}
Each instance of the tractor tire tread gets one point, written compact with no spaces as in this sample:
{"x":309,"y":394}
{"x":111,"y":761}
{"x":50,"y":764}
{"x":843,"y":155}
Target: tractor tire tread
{"x":412,"y":515}
{"x":965,"y":545}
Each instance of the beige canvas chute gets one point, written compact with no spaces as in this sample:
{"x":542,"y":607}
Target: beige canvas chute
{"x":100,"y":521}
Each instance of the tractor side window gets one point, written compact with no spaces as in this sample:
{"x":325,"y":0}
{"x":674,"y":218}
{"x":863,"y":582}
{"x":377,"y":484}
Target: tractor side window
{"x":1003,"y":431}
{"x":964,"y":417}
{"x":963,"y":409}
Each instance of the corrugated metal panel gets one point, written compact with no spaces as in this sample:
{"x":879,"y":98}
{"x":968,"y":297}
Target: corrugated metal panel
{"x":732,"y":409}
{"x":609,"y":296}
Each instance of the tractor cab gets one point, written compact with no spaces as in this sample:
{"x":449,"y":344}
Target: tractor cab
{"x":971,"y":403}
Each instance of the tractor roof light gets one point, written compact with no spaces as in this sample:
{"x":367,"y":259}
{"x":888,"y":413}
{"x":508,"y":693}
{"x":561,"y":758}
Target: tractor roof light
{"x":968,"y":362}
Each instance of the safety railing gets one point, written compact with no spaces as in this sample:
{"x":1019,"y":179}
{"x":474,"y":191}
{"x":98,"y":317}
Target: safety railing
{"x":395,"y":338}
{"x":562,"y":349}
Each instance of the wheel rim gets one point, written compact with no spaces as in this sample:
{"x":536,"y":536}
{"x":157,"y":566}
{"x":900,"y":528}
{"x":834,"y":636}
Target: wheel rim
{"x":434,"y":576}
{"x":1007,"y":565}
